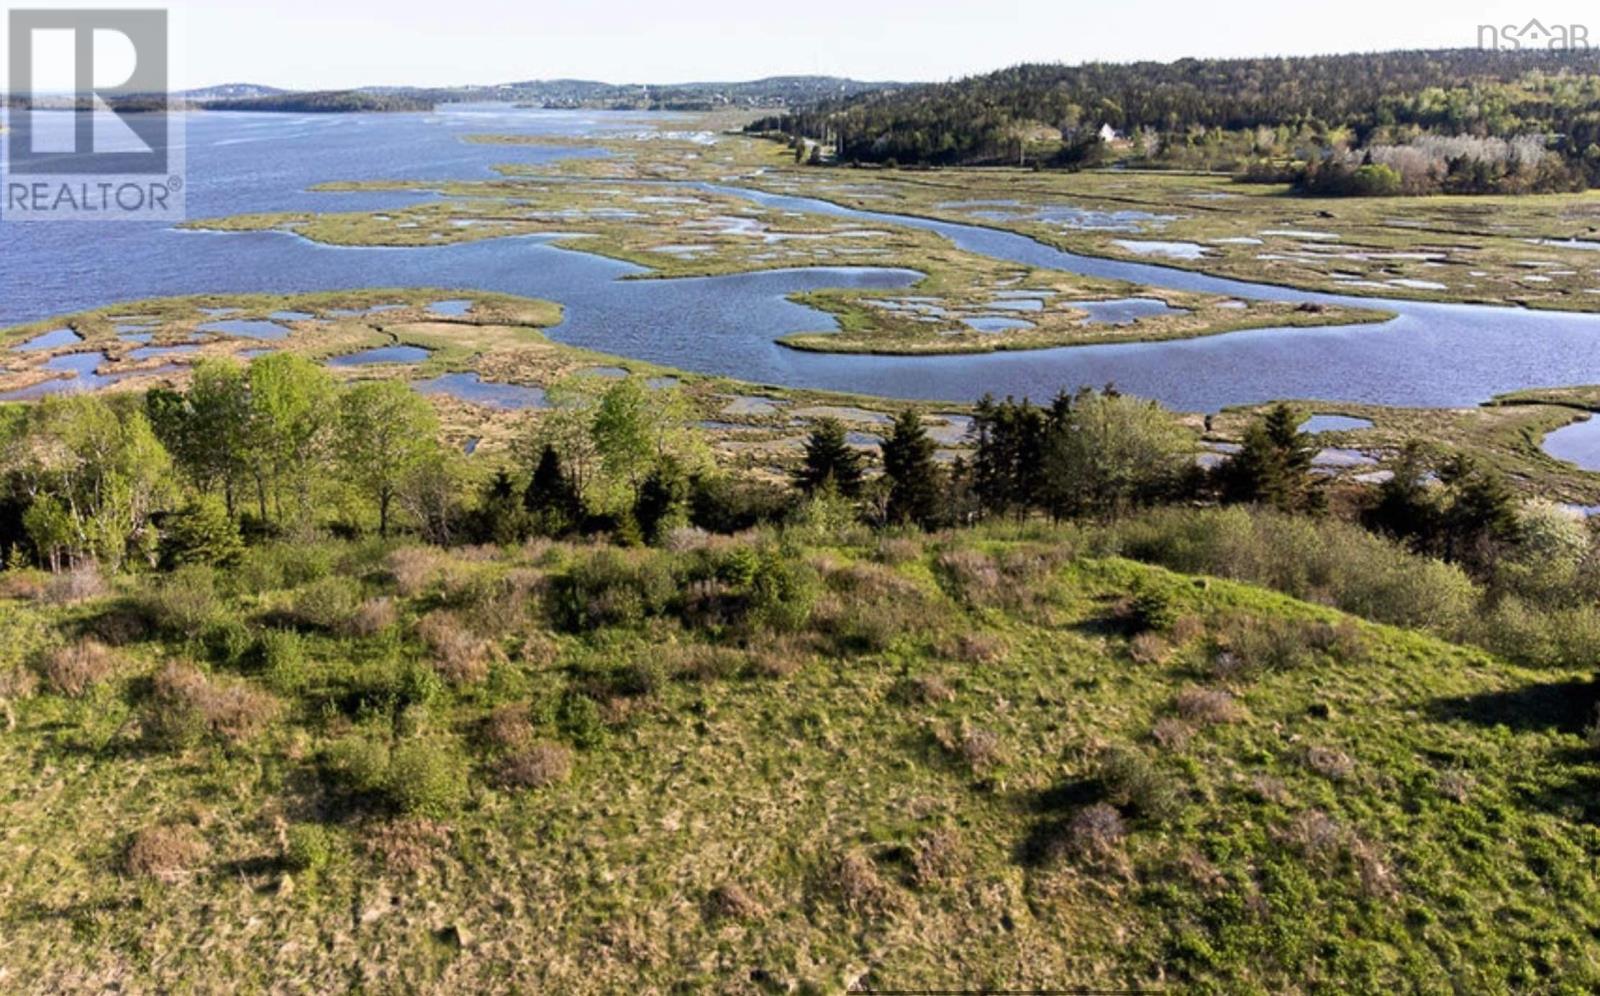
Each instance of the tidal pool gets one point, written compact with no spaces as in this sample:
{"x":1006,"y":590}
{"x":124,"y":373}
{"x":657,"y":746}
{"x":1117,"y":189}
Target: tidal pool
{"x":381,"y":354}
{"x":249,"y":328}
{"x":1578,"y":443}
{"x":469,"y":387}
{"x":50,"y":340}
{"x":1334,"y":423}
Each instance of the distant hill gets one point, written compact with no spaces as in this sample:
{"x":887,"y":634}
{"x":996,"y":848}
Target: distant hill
{"x":775,"y":91}
{"x":326,"y":102}
{"x":1206,"y":112}
{"x":230,"y":91}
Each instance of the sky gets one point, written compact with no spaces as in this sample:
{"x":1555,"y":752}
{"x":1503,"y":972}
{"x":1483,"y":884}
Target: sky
{"x":317,"y":44}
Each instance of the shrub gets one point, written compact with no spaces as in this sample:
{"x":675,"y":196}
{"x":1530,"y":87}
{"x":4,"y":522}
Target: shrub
{"x":372,"y":617}
{"x":73,"y":670}
{"x":928,"y":689}
{"x":167,"y":853}
{"x":307,"y":847}
{"x":281,"y":656}
{"x":1250,"y":643}
{"x":971,"y":576}
{"x":1129,"y":781}
{"x":1095,"y":832}
{"x":186,"y":705}
{"x":1149,"y":648}
{"x":536,"y":766}
{"x":978,"y":748}
{"x":359,"y":763}
{"x":508,"y":727}
{"x":731,"y":901}
{"x":612,"y":589}
{"x":426,"y":778}
{"x":458,"y":656}
{"x":275,"y":566}
{"x":24,"y":585}
{"x":1332,"y":764}
{"x":936,"y":857}
{"x":79,"y":583}
{"x":1207,"y":706}
{"x":329,"y":604}
{"x":184,"y":602}
{"x":975,"y":648}
{"x":202,"y":532}
{"x":859,"y":887}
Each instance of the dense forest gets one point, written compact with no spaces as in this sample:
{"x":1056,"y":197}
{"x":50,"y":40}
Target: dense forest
{"x":1462,"y":120}
{"x":326,"y":102}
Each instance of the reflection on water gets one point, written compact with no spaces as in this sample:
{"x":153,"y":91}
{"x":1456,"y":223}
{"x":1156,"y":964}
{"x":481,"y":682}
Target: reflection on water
{"x":468,"y":387}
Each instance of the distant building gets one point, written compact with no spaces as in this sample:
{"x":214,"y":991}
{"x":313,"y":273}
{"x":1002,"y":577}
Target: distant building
{"x":1108,"y":133}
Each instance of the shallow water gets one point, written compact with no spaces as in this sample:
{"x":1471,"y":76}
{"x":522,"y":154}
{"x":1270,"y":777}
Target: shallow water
{"x":49,"y":340}
{"x":468,"y":387}
{"x":247,"y":327}
{"x":1334,"y":423}
{"x":382,"y":354}
{"x":1578,"y":443}
{"x":1432,"y":354}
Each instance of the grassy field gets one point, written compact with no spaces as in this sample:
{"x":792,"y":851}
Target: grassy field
{"x":977,"y":760}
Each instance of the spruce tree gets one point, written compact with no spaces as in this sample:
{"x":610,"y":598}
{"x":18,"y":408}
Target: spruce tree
{"x":830,"y":457}
{"x":914,"y":477}
{"x":1274,"y":465}
{"x":551,"y":497}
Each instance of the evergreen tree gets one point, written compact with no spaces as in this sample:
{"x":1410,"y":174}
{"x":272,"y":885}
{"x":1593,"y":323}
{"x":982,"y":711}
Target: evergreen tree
{"x":552,"y":498}
{"x":914,"y":477}
{"x":1274,"y":465}
{"x":830,"y":457}
{"x":661,"y":501}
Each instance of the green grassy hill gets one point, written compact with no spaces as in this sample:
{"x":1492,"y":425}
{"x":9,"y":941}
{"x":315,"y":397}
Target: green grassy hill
{"x":999,"y":758}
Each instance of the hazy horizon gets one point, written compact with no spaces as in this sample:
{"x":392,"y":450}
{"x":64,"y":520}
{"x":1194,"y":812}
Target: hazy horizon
{"x":306,"y":45}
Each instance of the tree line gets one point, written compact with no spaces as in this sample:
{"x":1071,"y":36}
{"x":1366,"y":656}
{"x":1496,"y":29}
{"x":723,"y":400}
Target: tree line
{"x":278,"y":447}
{"x":1232,"y":114}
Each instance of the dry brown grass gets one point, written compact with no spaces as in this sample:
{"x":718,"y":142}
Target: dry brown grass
{"x":937,"y":857}
{"x":537,"y":766}
{"x":458,"y":655}
{"x":187,"y":703}
{"x":76,"y":584}
{"x":1334,"y":765}
{"x":508,"y":727}
{"x":1208,"y":706}
{"x":75,"y":669}
{"x":975,"y":648}
{"x":1095,"y":832}
{"x":167,"y":853}
{"x":1149,"y":648}
{"x":372,"y":617}
{"x":23,"y":586}
{"x":414,"y":569}
{"x":855,"y":882}
{"x":732,"y":901}
{"x":408,"y":846}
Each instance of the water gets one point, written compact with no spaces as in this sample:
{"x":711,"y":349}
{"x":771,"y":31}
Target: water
{"x":49,"y":340}
{"x":1334,"y":423}
{"x":1124,"y":311}
{"x":1431,"y":355}
{"x":1578,"y":443}
{"x":382,"y":354}
{"x":249,"y":328}
{"x":468,"y":387}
